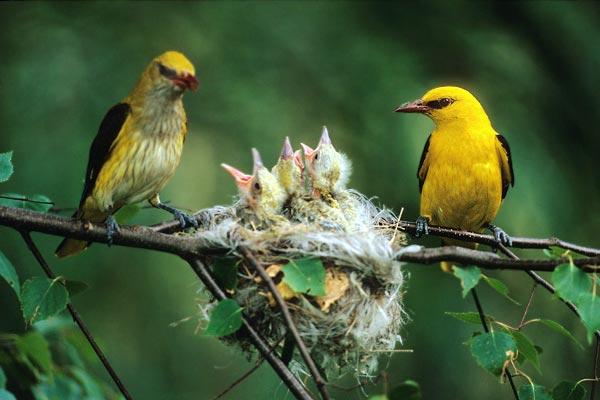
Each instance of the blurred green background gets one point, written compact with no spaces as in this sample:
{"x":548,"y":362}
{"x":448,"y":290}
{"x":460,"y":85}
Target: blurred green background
{"x":272,"y":69}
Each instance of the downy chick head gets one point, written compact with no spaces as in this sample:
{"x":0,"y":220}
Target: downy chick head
{"x":329,"y":170}
{"x":260,"y":191}
{"x":289,"y":169}
{"x":447,"y":104}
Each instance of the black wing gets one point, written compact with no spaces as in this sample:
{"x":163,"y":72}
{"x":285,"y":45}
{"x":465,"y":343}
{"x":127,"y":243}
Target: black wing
{"x":101,"y":146}
{"x":511,"y":181}
{"x":423,"y":155}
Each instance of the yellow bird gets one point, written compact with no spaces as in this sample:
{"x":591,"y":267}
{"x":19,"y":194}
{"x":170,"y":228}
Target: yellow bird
{"x":137,"y":148}
{"x":466,"y":167}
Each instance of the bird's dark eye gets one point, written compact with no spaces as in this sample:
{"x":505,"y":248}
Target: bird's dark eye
{"x":439,"y":104}
{"x":166,"y":71}
{"x":256,"y":186}
{"x":316,"y":156}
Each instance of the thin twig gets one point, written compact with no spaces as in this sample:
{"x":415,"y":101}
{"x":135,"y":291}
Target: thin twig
{"x":287,"y":316}
{"x":486,"y":329}
{"x":545,"y":284}
{"x":595,"y":369}
{"x":240,"y":379}
{"x":529,"y":301}
{"x":289,"y":379}
{"x":25,"y":199}
{"x":77,"y":318}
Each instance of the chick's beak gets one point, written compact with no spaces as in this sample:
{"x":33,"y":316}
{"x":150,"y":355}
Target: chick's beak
{"x":417,"y":106}
{"x":309,"y":152}
{"x":187,"y":81}
{"x":242,"y":180}
{"x":287,"y":151}
{"x":298,"y":159}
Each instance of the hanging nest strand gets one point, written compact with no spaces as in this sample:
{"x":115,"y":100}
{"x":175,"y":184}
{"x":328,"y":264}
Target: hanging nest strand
{"x":297,"y":211}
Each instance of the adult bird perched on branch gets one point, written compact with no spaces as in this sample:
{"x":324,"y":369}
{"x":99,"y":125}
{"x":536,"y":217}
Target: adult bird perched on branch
{"x":465,"y":168}
{"x":137,"y":148}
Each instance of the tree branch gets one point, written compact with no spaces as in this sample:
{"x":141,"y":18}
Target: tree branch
{"x":250,"y":259}
{"x":280,"y":368}
{"x":77,"y":318}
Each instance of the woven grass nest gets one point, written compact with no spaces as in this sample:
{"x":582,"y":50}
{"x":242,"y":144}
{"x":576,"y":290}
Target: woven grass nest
{"x":300,"y":216}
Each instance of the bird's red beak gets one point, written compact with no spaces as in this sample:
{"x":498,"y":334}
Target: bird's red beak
{"x":416,"y":106}
{"x":187,"y":81}
{"x":242,"y":180}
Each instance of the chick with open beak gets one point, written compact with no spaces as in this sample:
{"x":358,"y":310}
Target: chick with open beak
{"x":260,"y":193}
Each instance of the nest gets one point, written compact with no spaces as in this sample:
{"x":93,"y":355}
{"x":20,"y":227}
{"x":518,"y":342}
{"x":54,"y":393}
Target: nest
{"x":361,"y":315}
{"x":359,"y":319}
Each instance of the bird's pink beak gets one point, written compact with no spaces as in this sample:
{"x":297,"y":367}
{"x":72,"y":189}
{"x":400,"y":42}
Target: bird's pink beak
{"x":287,"y":151}
{"x":298,"y":160}
{"x":417,"y":106}
{"x":324,"y":137}
{"x":187,"y":81}
{"x":242,"y":180}
{"x":309,"y":152}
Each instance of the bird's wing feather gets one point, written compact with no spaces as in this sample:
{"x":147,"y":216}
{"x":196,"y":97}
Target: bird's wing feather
{"x":508,"y":176}
{"x":423,"y":165}
{"x":102,"y":145}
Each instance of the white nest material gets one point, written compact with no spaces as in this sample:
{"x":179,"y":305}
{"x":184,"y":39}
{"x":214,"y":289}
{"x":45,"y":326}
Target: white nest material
{"x":363,"y":323}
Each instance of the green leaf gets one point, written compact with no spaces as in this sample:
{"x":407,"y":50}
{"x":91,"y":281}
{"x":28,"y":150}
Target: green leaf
{"x":570,"y":282}
{"x":6,"y":395}
{"x":469,"y":317}
{"x":568,"y":391}
{"x":37,"y":202}
{"x":379,"y":397}
{"x":126,"y":213}
{"x":6,"y":167}
{"x":75,"y":287}
{"x":61,"y":388}
{"x":407,"y":390}
{"x":36,"y":348}
{"x":225,"y":318}
{"x":306,"y":275}
{"x":499,"y":287}
{"x":554,"y":252}
{"x":469,"y":277}
{"x":91,"y":387}
{"x":589,"y":312}
{"x":225,"y":270}
{"x":533,"y":392}
{"x":7,"y":271}
{"x":491,"y":350}
{"x":527,"y":349}
{"x":2,"y":379}
{"x":42,"y":298}
{"x":555,"y":326}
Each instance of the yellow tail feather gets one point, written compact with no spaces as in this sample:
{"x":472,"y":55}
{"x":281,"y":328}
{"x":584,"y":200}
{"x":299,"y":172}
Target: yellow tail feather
{"x":70,"y":247}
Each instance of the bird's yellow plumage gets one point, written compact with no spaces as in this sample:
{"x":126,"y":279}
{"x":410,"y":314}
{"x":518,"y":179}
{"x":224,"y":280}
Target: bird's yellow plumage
{"x":465,"y":168}
{"x":138,"y":146}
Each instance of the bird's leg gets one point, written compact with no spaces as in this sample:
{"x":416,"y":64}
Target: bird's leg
{"x":499,"y":235}
{"x":422,"y":227}
{"x":111,"y":228}
{"x":184,"y":219}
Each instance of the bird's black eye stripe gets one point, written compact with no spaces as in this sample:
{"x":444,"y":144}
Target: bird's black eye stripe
{"x":441,"y":103}
{"x":166,"y":71}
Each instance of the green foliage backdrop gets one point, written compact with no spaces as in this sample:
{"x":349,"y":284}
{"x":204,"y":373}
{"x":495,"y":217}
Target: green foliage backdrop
{"x":272,"y":69}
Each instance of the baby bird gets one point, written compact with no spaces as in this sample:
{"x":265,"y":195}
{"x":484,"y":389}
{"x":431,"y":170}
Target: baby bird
{"x":329,"y":170}
{"x":261,"y":194}
{"x":289,"y":169}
